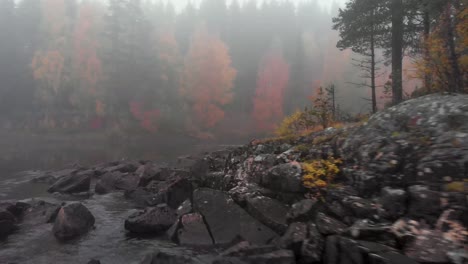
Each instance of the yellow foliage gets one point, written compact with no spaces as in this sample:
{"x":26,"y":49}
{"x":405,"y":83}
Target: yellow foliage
{"x":290,"y":124}
{"x":457,"y":186}
{"x":319,"y":174}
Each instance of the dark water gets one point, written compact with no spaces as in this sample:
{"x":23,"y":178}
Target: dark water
{"x":109,"y":242}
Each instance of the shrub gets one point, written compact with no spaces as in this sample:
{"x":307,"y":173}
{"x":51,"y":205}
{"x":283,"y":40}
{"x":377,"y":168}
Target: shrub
{"x":319,"y":174}
{"x":294,"y":124}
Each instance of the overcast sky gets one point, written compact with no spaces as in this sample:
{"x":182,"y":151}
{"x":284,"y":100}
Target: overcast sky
{"x":182,"y":3}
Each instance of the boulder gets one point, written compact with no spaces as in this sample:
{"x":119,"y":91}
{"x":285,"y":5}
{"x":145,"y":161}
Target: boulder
{"x":72,"y":220}
{"x":7,"y":223}
{"x":152,"y":220}
{"x":303,"y":211}
{"x":38,"y":212}
{"x":284,"y":178}
{"x":327,"y":225}
{"x":394,"y":202}
{"x":419,"y":141}
{"x":73,"y":183}
{"x":116,"y":180}
{"x":148,"y":173}
{"x":173,"y":192}
{"x":226,"y":220}
{"x":270,"y":212}
{"x":193,"y":231}
{"x":94,"y":261}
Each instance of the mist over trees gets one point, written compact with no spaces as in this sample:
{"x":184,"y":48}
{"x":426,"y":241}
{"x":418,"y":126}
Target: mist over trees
{"x":223,"y":67}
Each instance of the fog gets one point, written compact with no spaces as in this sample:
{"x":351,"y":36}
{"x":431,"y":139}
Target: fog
{"x":210,"y":70}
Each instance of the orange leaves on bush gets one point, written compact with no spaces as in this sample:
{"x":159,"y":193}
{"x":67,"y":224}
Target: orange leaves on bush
{"x":207,"y":78}
{"x":272,"y":80}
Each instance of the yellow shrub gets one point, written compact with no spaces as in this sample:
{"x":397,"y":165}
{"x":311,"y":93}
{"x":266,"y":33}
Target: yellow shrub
{"x":320,"y":173}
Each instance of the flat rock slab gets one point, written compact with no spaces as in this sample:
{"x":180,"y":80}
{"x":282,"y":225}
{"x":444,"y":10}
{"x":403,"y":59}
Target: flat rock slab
{"x":193,"y":231}
{"x":227,"y":221}
{"x":270,"y":212}
{"x":152,"y":220}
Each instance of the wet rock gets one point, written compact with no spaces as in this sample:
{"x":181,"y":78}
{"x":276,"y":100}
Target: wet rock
{"x":303,"y":211}
{"x":94,"y":261}
{"x":172,"y":192}
{"x":270,"y":212}
{"x":284,"y":178}
{"x":152,"y":220}
{"x":7,"y":223}
{"x":394,"y":202}
{"x":38,"y":212}
{"x":244,"y":191}
{"x":73,"y":183}
{"x":44,"y":177}
{"x":185,"y":208}
{"x":124,"y":167}
{"x":226,"y":220}
{"x":161,"y":257}
{"x":148,"y":173}
{"x":116,"y":180}
{"x":193,"y":231}
{"x":72,"y":220}
{"x":246,"y":253}
{"x":327,"y":225}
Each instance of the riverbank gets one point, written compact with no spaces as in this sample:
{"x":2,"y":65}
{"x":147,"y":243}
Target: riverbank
{"x":398,"y":196}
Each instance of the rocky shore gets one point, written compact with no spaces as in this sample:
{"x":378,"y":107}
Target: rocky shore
{"x":400,"y":195}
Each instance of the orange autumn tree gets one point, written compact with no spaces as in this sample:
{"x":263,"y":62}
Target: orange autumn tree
{"x":207,"y":79}
{"x":272,"y":80}
{"x":48,"y":63}
{"x":87,"y":65}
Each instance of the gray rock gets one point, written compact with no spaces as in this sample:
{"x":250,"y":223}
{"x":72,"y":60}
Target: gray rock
{"x":226,"y":220}
{"x":329,"y":226}
{"x":284,"y":178}
{"x":303,"y":211}
{"x":73,"y":183}
{"x":270,"y":212}
{"x":193,"y":231}
{"x":393,"y":202}
{"x":152,"y":220}
{"x":72,"y":220}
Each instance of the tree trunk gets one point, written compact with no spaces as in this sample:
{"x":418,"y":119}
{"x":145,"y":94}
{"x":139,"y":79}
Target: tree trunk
{"x":455,"y":78}
{"x":427,"y":55}
{"x":397,"y":51}
{"x":372,"y":47}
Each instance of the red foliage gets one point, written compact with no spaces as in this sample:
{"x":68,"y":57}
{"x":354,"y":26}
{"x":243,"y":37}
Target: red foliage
{"x":272,"y":80}
{"x":148,"y":118}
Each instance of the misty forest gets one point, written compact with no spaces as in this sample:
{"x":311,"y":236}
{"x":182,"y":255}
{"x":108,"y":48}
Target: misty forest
{"x":218,"y":68}
{"x":234,"y":131}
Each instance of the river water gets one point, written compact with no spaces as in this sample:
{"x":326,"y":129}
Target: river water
{"x":108,"y":242}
